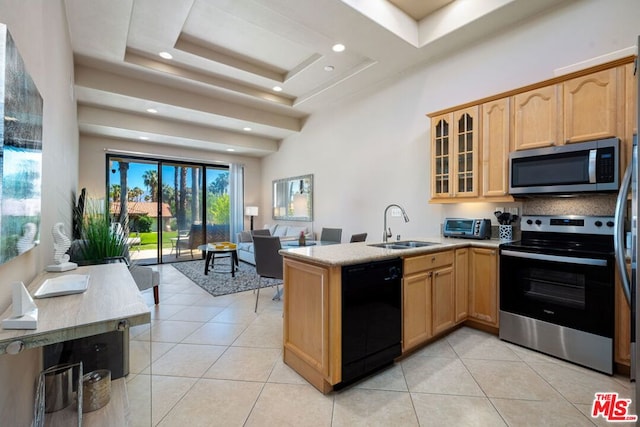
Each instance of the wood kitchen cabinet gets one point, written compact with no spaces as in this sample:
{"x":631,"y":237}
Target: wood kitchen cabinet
{"x":483,"y":285}
{"x":537,"y":118}
{"x":455,"y":154}
{"x":416,"y":306}
{"x":622,"y":337}
{"x":428,"y":297}
{"x":461,"y":278}
{"x":590,"y":105}
{"x":312,"y":322}
{"x":630,"y":115}
{"x":495,"y":148}
{"x":580,"y":109}
{"x":443,"y":300}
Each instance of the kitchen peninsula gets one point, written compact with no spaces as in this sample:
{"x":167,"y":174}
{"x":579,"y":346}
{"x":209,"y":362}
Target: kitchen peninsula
{"x":444,"y":284}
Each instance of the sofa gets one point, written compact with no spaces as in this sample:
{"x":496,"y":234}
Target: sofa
{"x":285,"y":232}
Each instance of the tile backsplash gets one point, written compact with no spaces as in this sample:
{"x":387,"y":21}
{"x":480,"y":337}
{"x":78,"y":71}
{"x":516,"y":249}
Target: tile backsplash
{"x":600,"y":205}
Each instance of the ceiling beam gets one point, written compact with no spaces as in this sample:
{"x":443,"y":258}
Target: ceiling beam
{"x":143,"y":125}
{"x":136,"y":88}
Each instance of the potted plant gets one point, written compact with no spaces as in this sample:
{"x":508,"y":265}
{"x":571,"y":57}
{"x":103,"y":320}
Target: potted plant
{"x":102,"y":240}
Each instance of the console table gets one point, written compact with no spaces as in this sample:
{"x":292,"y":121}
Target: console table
{"x":111,"y":302}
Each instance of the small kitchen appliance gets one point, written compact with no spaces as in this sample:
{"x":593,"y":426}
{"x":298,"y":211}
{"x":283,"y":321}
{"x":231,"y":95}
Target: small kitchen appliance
{"x":467,"y":228}
{"x":557,"y":288}
{"x":591,"y":166}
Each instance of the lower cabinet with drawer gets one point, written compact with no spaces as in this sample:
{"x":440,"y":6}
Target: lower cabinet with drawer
{"x":428,"y":297}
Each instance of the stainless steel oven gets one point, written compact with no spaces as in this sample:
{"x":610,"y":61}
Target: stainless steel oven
{"x":557,"y":289}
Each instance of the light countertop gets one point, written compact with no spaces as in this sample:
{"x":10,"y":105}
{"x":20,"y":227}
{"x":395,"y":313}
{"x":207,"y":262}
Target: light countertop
{"x":356,"y":253}
{"x":111,"y":298}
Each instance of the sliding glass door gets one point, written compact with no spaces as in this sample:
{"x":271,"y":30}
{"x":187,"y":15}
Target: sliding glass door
{"x":136,"y":207}
{"x":167,"y":209}
{"x":182,"y":192}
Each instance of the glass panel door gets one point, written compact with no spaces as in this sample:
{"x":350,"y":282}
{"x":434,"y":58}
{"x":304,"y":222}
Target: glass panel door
{"x":136,"y":208}
{"x":165,"y":207}
{"x":218,"y":205}
{"x":182,"y":194}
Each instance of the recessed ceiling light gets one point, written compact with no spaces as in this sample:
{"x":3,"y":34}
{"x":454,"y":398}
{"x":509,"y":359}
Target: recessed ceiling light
{"x":165,"y":55}
{"x":338,"y":47}
{"x":277,"y":89}
{"x":143,"y":137}
{"x":248,"y":129}
{"x":230,"y":149}
{"x":329,"y":68}
{"x":152,"y":110}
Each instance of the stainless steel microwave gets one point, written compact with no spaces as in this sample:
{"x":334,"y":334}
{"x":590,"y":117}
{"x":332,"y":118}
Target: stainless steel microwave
{"x":574,"y":168}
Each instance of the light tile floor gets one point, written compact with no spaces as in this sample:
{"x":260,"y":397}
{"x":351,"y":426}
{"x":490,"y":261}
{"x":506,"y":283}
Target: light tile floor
{"x":217,"y":363}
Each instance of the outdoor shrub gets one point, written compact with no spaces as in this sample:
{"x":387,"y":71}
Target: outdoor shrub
{"x":143,"y":224}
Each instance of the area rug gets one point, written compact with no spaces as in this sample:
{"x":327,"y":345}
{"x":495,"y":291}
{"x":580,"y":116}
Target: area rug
{"x":219,"y":281}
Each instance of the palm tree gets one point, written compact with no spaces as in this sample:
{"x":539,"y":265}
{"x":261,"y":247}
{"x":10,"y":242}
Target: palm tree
{"x":134,"y":194}
{"x":150,"y":180}
{"x":114,"y":194}
{"x":183,"y":194}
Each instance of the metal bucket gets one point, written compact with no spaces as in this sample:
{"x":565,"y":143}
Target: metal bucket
{"x":58,"y":387}
{"x":96,"y":389}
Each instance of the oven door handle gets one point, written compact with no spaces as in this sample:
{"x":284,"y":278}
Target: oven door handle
{"x":555,"y":258}
{"x":618,"y":236}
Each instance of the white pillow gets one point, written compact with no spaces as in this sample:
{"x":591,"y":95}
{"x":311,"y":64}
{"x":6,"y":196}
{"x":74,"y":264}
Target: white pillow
{"x":280,"y":231}
{"x":272,"y":228}
{"x":295,"y":231}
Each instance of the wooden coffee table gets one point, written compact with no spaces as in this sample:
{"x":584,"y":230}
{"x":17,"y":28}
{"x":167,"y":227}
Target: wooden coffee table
{"x":211,"y":252}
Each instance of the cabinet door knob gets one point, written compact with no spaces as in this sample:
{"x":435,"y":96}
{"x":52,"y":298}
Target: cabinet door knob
{"x":433,"y":259}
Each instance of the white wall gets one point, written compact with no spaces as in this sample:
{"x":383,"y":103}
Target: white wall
{"x":39,"y":29}
{"x":374,"y":149}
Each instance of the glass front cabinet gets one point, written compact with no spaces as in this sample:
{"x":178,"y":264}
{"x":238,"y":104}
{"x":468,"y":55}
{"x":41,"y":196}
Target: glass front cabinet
{"x":454,"y":145}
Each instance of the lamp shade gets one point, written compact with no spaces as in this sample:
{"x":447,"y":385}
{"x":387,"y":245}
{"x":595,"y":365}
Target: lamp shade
{"x":251,"y":211}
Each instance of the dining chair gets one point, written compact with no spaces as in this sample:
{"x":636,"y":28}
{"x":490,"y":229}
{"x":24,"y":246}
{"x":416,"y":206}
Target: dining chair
{"x":360,"y":237}
{"x":331,"y":235}
{"x":268,"y":262}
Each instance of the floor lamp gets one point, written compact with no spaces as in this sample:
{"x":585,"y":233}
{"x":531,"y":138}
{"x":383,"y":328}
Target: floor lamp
{"x":251,"y":211}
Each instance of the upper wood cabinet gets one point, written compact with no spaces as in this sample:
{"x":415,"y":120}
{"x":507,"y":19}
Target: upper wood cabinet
{"x":495,"y":148}
{"x":591,"y":107}
{"x":455,"y":154}
{"x":630,"y":111}
{"x":471,"y":144}
{"x":537,"y":118}
{"x":440,"y":156}
{"x":580,"y":109}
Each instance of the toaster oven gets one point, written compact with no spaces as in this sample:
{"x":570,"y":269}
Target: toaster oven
{"x":467,"y":228}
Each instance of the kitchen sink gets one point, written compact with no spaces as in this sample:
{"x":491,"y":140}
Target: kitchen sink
{"x":405,"y":244}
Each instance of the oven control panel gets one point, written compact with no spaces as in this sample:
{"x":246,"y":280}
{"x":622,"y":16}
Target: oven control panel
{"x":569,"y":224}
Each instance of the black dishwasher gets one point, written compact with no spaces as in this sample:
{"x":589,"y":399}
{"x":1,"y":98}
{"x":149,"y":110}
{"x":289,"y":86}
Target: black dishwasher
{"x":371,"y":317}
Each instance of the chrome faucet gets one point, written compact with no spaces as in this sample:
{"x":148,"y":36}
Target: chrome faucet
{"x":387,"y":233}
